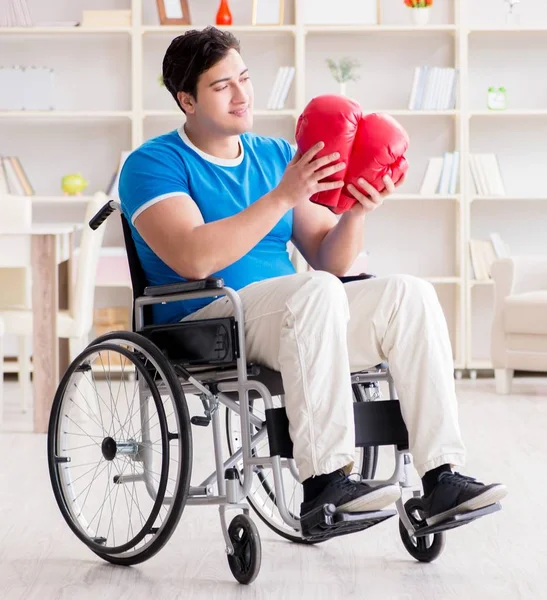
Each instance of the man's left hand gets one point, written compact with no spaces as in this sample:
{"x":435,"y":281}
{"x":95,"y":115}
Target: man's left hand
{"x":368,"y":198}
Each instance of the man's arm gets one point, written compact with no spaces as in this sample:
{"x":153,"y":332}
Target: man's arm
{"x":331,"y":244}
{"x":325,"y":242}
{"x":175,"y":230}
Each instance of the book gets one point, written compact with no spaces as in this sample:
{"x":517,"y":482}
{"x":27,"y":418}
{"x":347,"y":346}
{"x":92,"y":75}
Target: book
{"x":286,"y":86}
{"x":433,"y":88}
{"x":486,"y":174}
{"x":13,"y":178}
{"x":281,"y":87}
{"x":16,"y":14}
{"x":441,"y":176}
{"x":484,"y":252}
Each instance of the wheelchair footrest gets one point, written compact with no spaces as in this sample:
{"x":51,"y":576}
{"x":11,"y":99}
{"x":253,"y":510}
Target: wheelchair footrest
{"x":457,"y":520}
{"x":324,"y":522}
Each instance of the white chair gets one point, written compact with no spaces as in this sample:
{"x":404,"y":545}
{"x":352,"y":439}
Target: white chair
{"x":519,"y":328}
{"x":15,"y":277}
{"x":76,"y":322}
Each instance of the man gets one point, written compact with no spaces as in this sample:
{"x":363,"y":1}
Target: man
{"x":213,"y":199}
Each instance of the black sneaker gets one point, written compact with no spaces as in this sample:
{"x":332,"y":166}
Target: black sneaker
{"x":353,"y":496}
{"x":454,"y":494}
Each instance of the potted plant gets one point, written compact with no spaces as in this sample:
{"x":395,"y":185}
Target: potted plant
{"x":420,"y":10}
{"x":343,"y":71}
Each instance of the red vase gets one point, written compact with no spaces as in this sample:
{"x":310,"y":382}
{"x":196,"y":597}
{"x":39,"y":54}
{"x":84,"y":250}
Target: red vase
{"x":224,"y":16}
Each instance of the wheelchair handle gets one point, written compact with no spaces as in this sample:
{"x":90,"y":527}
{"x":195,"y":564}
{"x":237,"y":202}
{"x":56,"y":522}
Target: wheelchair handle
{"x":98,"y":219}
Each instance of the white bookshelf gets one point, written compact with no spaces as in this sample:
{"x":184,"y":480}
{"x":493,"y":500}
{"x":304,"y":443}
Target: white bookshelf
{"x":114,"y":103}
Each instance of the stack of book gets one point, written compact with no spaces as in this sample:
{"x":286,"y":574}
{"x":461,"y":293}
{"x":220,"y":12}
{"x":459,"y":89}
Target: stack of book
{"x":13,"y":179}
{"x":433,"y":88}
{"x":15,"y":14}
{"x":486,"y":175}
{"x":441,"y":176}
{"x":484,"y":252}
{"x":281,"y":87}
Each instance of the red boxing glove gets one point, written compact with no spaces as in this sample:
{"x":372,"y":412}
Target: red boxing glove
{"x":372,"y":146}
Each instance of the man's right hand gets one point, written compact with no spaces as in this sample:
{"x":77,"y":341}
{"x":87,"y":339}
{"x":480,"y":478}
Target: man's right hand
{"x":303,"y":175}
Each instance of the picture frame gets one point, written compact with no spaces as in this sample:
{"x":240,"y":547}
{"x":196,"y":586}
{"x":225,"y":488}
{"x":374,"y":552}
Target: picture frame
{"x":348,"y":12}
{"x":174,"y":12}
{"x":268,"y":12}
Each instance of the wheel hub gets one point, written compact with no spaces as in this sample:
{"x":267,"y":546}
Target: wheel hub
{"x":111,"y":448}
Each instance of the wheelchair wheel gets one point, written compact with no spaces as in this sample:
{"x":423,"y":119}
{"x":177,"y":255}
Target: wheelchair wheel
{"x":247,"y":557}
{"x":262,"y":496}
{"x":120,"y":448}
{"x":424,"y":548}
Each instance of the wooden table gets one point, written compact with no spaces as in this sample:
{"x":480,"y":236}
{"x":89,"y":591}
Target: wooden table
{"x":49,"y":254}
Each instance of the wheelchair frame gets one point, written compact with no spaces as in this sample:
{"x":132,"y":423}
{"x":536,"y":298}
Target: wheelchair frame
{"x":229,"y":496}
{"x":377,"y":423}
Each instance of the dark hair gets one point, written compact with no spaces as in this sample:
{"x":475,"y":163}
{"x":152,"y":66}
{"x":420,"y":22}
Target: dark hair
{"x":191,"y":54}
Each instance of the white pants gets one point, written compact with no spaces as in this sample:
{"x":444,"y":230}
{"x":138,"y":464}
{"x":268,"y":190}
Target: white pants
{"x":316,"y":331}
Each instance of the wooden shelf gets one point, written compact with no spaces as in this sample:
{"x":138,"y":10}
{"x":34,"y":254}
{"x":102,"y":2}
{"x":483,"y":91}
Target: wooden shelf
{"x":420,"y":197}
{"x":525,"y":112}
{"x":173,"y":114}
{"x":397,"y":112}
{"x":65,"y":114}
{"x":509,"y":198}
{"x":22,"y":31}
{"x":252,"y":29}
{"x":336,"y":29}
{"x":74,"y":200}
{"x":508,"y":29}
{"x":404,"y":112}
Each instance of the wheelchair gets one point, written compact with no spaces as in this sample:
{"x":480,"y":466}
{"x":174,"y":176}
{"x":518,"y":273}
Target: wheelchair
{"x":120,"y":450}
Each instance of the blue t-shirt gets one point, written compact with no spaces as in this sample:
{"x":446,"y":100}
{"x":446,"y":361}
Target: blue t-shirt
{"x":170,"y":165}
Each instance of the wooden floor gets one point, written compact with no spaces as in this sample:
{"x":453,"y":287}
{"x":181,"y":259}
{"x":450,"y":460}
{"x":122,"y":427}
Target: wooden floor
{"x":503,"y":556}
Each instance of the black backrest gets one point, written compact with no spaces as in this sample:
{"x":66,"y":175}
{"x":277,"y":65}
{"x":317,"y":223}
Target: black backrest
{"x":138,"y":278}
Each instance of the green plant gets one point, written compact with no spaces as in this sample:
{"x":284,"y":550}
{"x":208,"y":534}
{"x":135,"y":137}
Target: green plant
{"x":344,"y":69}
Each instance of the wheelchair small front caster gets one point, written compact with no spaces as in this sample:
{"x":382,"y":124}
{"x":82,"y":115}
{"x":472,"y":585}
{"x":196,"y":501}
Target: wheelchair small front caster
{"x":245,"y":561}
{"x":423,"y":548}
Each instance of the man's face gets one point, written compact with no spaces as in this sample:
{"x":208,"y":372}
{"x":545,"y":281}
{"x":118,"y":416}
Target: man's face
{"x":225,"y":96}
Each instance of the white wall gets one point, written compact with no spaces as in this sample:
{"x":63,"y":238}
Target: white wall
{"x":94,"y":73}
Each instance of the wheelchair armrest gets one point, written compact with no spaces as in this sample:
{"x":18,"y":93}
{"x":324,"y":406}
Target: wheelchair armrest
{"x":347,"y":278}
{"x":212,"y":283}
{"x":184,"y":286}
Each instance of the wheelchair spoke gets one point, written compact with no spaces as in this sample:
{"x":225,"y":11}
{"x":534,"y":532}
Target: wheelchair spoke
{"x":95,"y":476}
{"x":130,"y":411}
{"x":85,"y":413}
{"x":98,"y":397}
{"x":84,"y":474}
{"x":108,"y":380}
{"x":112,"y":429}
{"x":134,"y":499}
{"x":64,"y":449}
{"x":100,"y":437}
{"x":84,"y":432}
